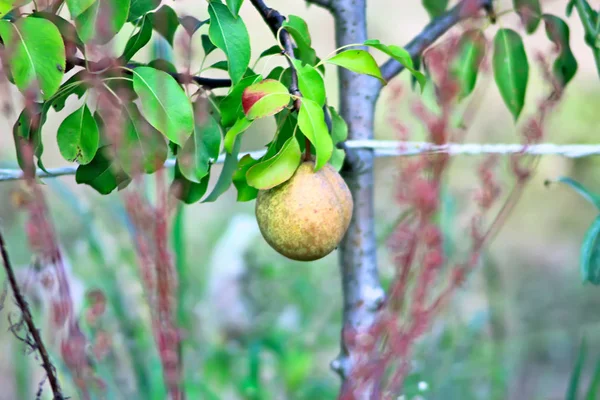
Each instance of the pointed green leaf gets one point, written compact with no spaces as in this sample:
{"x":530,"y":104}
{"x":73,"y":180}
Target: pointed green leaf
{"x":310,"y":82}
{"x":141,"y":147}
{"x":435,"y":8}
{"x":511,"y":69}
{"x":584,"y":192}
{"x":207,"y":45}
{"x":530,"y":12}
{"x":402,"y":56}
{"x":471,"y":49}
{"x":565,"y":66}
{"x":78,"y":136}
{"x":573,"y":389}
{"x":226,"y":177}
{"x":26,"y":132}
{"x":139,"y":8}
{"x":359,"y":61}
{"x":311,"y":122}
{"x":165,"y":22}
{"x":74,"y":85}
{"x":264,"y":99}
{"x":139,"y":40}
{"x":298,"y":29}
{"x":66,"y":29}
{"x":187,"y":191}
{"x":278,"y":169}
{"x":245,"y":191}
{"x":275,"y":49}
{"x":36,"y":54}
{"x":229,"y":34}
{"x":339,"y":133}
{"x":76,"y":7}
{"x":240,"y":126}
{"x":234,"y":6}
{"x":164,"y":103}
{"x":590,"y":254}
{"x":192,"y":24}
{"x":102,"y":174}
{"x":231,"y":106}
{"x":594,"y":387}
{"x":102,"y":21}
{"x":201,"y":149}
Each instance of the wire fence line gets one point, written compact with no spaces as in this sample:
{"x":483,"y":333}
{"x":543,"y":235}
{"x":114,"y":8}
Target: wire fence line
{"x":385,"y":148}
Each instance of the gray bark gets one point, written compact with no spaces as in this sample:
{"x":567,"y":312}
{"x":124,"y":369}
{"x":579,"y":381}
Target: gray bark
{"x":363,"y":294}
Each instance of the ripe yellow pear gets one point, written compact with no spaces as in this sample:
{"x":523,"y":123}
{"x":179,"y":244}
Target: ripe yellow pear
{"x":306,"y":217}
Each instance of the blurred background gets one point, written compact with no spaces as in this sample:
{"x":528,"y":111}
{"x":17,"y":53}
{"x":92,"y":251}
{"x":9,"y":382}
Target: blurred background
{"x":264,"y":327}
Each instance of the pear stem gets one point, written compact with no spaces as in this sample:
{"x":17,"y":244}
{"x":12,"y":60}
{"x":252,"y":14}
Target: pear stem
{"x":307,"y":155}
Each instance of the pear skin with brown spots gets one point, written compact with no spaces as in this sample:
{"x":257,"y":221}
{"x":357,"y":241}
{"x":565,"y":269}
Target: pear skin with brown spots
{"x":306,"y":217}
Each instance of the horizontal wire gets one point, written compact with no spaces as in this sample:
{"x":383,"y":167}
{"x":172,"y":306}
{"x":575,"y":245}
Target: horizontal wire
{"x":385,"y":148}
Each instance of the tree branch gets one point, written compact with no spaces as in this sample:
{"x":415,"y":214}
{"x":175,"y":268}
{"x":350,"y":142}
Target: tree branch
{"x":98,"y":66}
{"x":433,"y":31}
{"x":363,"y":294}
{"x":275,"y":20}
{"x":24,"y":307}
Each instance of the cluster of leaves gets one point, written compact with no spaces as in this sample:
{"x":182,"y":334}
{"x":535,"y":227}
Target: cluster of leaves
{"x":154,"y":115}
{"x":509,"y":60}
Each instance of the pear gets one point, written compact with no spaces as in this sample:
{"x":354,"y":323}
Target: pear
{"x":306,"y":217}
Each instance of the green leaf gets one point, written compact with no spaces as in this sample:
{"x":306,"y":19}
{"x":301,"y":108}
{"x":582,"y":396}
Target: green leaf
{"x":66,"y":29}
{"x":584,"y":192}
{"x":191,"y":24}
{"x":471,"y":49}
{"x":74,"y":85}
{"x":435,"y":8}
{"x":240,"y":126}
{"x":78,"y":136}
{"x":511,"y":69}
{"x":264,"y":99}
{"x":402,"y":56}
{"x":298,"y":29}
{"x":7,"y":5}
{"x":271,"y":51}
{"x":245,"y":191}
{"x":234,"y":6}
{"x":165,"y":22}
{"x":311,"y":121}
{"x":339,"y":133}
{"x":27,"y":132}
{"x":187,"y":191}
{"x":76,"y":7}
{"x":530,"y":12}
{"x":207,"y":45}
{"x":139,"y":40}
{"x":229,"y":34}
{"x":37,"y":54}
{"x":164,"y":103}
{"x":103,"y":174}
{"x":573,"y":389}
{"x":139,"y":8}
{"x":590,"y":254}
{"x":231,"y":106}
{"x":201,"y":149}
{"x":141,"y":148}
{"x":163,"y":65}
{"x":226,"y":177}
{"x":93,"y":25}
{"x":594,"y":387}
{"x":565,"y":66}
{"x":359,"y":61}
{"x":310,"y":82}
{"x":278,"y":169}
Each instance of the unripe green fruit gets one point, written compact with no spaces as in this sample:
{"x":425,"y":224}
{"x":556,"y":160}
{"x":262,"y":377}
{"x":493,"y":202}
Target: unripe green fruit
{"x":306,"y":217}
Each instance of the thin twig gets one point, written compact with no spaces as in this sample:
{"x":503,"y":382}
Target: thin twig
{"x":275,"y":20}
{"x":432,"y":32}
{"x":26,"y":313}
